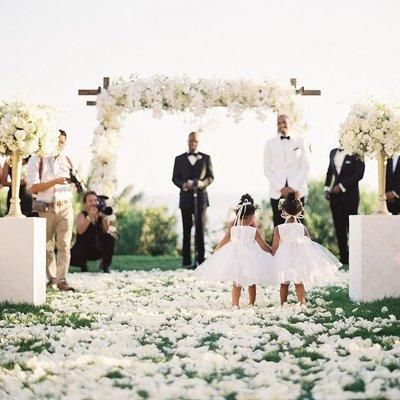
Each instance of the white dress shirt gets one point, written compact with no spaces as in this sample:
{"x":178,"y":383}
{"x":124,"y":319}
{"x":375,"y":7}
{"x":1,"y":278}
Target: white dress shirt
{"x":338,"y":160}
{"x":287,"y":147}
{"x":395,"y":159}
{"x":193,"y":160}
{"x":52,"y":168}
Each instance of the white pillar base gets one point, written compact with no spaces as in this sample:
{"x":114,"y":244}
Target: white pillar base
{"x":23,"y":260}
{"x":374,"y":245}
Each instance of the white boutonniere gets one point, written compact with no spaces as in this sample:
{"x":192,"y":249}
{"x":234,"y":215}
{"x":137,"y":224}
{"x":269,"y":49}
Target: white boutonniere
{"x":199,"y":157}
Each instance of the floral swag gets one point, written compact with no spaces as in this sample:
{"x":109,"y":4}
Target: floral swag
{"x":172,"y":95}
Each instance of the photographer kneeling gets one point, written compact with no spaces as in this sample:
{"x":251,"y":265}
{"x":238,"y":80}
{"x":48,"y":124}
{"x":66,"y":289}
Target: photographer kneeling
{"x":93,"y":240}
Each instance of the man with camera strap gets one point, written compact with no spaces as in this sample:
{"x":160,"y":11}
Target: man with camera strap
{"x":48,"y":179}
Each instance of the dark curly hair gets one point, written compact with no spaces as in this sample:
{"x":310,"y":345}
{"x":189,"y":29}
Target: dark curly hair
{"x":247,"y":211}
{"x":292,"y":204}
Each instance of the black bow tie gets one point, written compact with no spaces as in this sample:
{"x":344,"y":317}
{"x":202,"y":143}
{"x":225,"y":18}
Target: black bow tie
{"x":193,"y":154}
{"x":285,"y":137}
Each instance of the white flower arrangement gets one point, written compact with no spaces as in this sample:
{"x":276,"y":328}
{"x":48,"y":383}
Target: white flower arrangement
{"x":27,"y":129}
{"x":172,"y":95}
{"x":371,"y":127}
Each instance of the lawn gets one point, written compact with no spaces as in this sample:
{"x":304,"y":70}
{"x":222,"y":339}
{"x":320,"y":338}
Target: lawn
{"x":163,"y":334}
{"x":138,"y":263}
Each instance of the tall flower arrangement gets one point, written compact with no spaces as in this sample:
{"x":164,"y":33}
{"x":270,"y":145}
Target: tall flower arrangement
{"x":25,"y":129}
{"x":180,"y":94}
{"x":372,"y":130}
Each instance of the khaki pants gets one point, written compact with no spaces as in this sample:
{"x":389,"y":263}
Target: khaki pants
{"x":59,"y":223}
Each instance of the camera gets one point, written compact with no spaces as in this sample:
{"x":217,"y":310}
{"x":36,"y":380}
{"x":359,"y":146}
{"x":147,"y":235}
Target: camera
{"x":102,"y":206}
{"x":77,"y":180}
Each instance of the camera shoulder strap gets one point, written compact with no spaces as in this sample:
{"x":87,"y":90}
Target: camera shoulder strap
{"x":40,"y":168}
{"x":69,"y":162}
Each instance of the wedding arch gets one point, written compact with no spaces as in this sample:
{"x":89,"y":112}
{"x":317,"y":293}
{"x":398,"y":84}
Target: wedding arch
{"x":173,"y":95}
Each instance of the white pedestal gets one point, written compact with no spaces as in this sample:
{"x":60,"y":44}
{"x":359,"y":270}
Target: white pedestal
{"x":23,"y":260}
{"x":374,"y":245}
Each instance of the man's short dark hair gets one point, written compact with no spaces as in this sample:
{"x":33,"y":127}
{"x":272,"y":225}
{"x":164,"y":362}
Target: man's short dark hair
{"x":89,"y":193}
{"x":63,"y":133}
{"x":192,"y":133}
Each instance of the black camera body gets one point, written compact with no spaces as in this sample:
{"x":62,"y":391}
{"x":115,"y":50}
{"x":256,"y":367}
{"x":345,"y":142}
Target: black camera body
{"x":102,"y":206}
{"x":77,"y":180}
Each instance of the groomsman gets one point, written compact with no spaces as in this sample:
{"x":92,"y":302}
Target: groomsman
{"x":286,"y":166}
{"x":393,"y":184}
{"x":192,"y":174}
{"x":342,"y":192}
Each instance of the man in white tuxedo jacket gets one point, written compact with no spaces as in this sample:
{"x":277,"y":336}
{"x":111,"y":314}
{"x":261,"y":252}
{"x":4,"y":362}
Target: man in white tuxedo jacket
{"x":286,"y":166}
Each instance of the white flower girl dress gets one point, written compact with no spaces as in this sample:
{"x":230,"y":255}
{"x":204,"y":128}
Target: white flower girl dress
{"x":241,"y":260}
{"x":299,"y":259}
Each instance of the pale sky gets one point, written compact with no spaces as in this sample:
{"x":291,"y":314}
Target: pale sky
{"x":50,"y":49}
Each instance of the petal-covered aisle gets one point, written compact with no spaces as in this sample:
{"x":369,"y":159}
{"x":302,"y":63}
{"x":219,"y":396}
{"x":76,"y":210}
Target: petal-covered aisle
{"x":166,"y":335}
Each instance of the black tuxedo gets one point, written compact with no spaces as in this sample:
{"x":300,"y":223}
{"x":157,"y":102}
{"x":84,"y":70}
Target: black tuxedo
{"x":393,"y":184}
{"x":344,"y":203}
{"x":201,"y":171}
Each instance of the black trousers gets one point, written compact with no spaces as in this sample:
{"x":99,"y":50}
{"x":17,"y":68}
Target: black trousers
{"x":276,"y":213}
{"x":394,"y":208}
{"x":82,"y":252}
{"x":188,"y":222}
{"x":341,"y":212}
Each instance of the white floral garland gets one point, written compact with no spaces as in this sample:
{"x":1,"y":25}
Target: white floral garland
{"x":160,"y":93}
{"x":28,"y":129}
{"x":370,"y":128}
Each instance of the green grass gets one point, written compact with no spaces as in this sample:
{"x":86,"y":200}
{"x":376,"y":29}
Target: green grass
{"x":137,"y":263}
{"x":357,"y":386}
{"x":10,"y":308}
{"x":338,"y":297}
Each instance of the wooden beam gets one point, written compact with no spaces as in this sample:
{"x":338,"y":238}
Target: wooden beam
{"x":106,"y":82}
{"x":309,"y":92}
{"x":302,"y":91}
{"x":89,"y":92}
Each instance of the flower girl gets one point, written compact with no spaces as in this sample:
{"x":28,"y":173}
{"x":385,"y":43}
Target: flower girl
{"x":296,"y":257}
{"x":242,"y":256}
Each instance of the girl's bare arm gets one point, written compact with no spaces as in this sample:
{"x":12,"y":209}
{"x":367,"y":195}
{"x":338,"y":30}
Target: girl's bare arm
{"x":224,"y":241}
{"x":275,"y":241}
{"x":261,"y":242}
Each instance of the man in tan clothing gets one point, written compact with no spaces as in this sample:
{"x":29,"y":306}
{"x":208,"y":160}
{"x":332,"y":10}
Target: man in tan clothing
{"x":48,"y":178}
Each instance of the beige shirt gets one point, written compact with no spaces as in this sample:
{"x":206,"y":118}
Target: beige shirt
{"x":52,"y":168}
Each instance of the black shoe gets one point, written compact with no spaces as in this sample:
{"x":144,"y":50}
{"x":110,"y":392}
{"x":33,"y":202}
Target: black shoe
{"x":106,"y":268}
{"x":344,"y":261}
{"x":84,"y":268}
{"x":194,"y":266}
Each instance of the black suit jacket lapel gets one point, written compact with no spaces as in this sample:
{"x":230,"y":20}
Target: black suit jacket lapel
{"x":389,"y":168}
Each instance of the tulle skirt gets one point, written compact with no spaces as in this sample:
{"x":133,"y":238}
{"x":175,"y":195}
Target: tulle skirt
{"x":305,"y":262}
{"x":245,"y":264}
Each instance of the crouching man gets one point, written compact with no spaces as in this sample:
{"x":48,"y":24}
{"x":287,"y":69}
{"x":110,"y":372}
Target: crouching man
{"x":93,"y":240}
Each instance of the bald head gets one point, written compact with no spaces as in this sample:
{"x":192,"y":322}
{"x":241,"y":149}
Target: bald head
{"x":193,"y":141}
{"x":283,"y":124}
